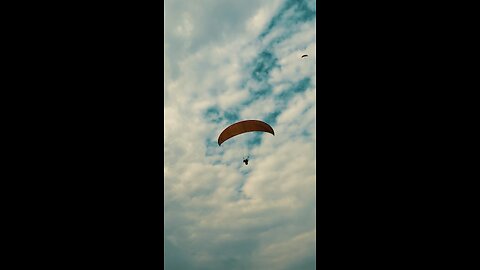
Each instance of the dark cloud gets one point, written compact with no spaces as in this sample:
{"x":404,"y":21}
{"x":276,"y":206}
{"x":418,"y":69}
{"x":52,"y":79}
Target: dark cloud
{"x":176,"y":258}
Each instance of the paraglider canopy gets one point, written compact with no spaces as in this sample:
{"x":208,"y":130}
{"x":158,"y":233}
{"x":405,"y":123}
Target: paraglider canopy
{"x":243,"y":127}
{"x":305,"y":55}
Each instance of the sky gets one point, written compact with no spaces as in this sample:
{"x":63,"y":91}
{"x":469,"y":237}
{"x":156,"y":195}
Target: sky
{"x":226,"y":61}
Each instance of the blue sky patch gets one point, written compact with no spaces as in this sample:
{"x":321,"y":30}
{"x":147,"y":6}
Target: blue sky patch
{"x":296,"y":88}
{"x":212,"y":114}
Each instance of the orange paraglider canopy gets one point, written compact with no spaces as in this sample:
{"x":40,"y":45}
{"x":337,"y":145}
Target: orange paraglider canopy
{"x":243,"y":127}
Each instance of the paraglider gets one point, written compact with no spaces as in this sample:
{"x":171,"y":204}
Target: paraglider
{"x":305,"y":55}
{"x":244,"y":127}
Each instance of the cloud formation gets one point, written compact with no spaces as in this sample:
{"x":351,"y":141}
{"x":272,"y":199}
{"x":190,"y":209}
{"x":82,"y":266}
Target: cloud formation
{"x":227,"y":61}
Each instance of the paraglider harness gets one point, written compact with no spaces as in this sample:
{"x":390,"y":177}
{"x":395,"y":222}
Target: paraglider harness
{"x":245,"y":160}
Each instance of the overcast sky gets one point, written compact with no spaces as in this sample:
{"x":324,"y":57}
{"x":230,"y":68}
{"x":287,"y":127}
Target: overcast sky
{"x":225,"y":61}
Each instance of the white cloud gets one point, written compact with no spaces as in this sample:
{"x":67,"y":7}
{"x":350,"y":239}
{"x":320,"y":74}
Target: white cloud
{"x":285,"y":254}
{"x":262,"y":16}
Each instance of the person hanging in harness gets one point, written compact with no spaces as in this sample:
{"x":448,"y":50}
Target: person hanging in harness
{"x":245,"y":160}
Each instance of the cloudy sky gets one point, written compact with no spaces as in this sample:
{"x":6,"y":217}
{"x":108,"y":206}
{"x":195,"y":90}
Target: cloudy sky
{"x":225,"y":61}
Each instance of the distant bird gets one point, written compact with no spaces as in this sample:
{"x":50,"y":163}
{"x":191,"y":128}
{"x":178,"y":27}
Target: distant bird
{"x":305,"y":55}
